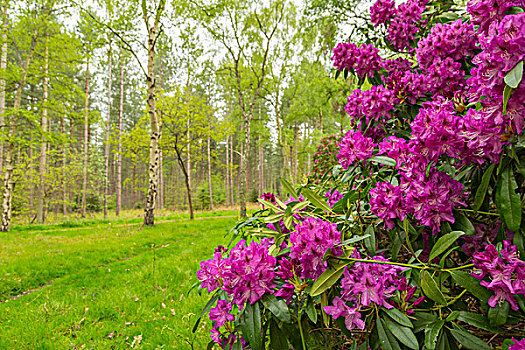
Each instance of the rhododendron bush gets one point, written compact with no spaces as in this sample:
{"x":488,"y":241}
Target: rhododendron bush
{"x":415,"y":239}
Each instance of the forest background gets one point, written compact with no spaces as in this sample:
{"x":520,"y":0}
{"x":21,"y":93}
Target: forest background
{"x":135,"y":104}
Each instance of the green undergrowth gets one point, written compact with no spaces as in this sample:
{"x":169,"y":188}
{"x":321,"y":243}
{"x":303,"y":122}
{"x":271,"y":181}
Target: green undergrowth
{"x":106,"y":288}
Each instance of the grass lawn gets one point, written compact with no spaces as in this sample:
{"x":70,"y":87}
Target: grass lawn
{"x":108,"y":287}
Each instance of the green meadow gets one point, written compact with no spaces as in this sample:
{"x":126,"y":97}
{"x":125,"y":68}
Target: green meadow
{"x":106,"y":285}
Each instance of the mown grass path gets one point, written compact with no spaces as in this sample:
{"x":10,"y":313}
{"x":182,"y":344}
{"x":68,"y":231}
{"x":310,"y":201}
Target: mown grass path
{"x":105,"y":288}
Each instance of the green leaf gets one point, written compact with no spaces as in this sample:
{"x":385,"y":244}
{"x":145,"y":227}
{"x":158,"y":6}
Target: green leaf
{"x":422,"y":320}
{"x":469,"y":341}
{"x":277,"y":337}
{"x":462,"y":223}
{"x":251,"y":325}
{"x":431,"y":289}
{"x":483,"y":187}
{"x":352,"y":240}
{"x":316,"y":200}
{"x":471,"y":283}
{"x":277,"y":307}
{"x":476,"y":320}
{"x":310,"y":310}
{"x":403,"y":334}
{"x":299,"y":206}
{"x":268,"y":205}
{"x":432,"y":333}
{"x":513,"y":78}
{"x":443,"y":243}
{"x":507,"y":92}
{"x":288,"y":188}
{"x":498,"y":315}
{"x":398,"y":316}
{"x":508,"y":201}
{"x":384,"y":338}
{"x":370,"y":242}
{"x":328,"y":278}
{"x":206,"y":308}
{"x":383,"y":160}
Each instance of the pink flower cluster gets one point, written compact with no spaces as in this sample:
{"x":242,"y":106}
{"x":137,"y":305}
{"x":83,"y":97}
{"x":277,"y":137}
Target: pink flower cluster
{"x":503,"y":47}
{"x":362,"y":284}
{"x":333,"y":197}
{"x":505,"y":270}
{"x":405,"y":24}
{"x":354,"y":146}
{"x":517,"y":344}
{"x":454,"y":40}
{"x":245,"y":275}
{"x":364,"y":60}
{"x":382,"y":12}
{"x":486,"y":12}
{"x":308,"y":244}
{"x":374,"y":105}
{"x":387,"y":203}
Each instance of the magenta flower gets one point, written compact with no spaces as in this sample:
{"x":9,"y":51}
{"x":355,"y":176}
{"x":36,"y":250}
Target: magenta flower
{"x":308,"y":244}
{"x":387,"y":203}
{"x":250,"y":273}
{"x":503,"y":269}
{"x":351,"y":315}
{"x":221,"y":313}
{"x":382,"y":11}
{"x":212,"y":272}
{"x":333,"y":197}
{"x":354,"y":146}
{"x":364,"y":60}
{"x":369,"y":106}
{"x":366,"y":283}
{"x":454,"y":40}
{"x":517,"y":344}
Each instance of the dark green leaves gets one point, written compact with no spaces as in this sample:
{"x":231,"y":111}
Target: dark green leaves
{"x":471,"y":284}
{"x":386,"y":338}
{"x":402,"y":333}
{"x":513,"y":78}
{"x":498,"y":315}
{"x":483,"y":187}
{"x":431,"y":289}
{"x":277,"y":307}
{"x":469,"y":341}
{"x":443,"y":243}
{"x":508,"y":201}
{"x":476,"y":320}
{"x":327,"y":279}
{"x":277,"y":337}
{"x":316,"y":200}
{"x":432,"y":333}
{"x":399,"y":317}
{"x":251,"y":325}
{"x":206,"y":308}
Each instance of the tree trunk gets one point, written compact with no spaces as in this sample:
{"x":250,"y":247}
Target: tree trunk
{"x":86,"y":142}
{"x":119,"y":150}
{"x":153,"y":170}
{"x":227,"y":171}
{"x":106,"y":153}
{"x":232,"y":197}
{"x":3,"y":65}
{"x":9,"y":185}
{"x":64,"y":160}
{"x":245,"y":152}
{"x":161,"y":157}
{"x":186,"y":181}
{"x":209,"y":175}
